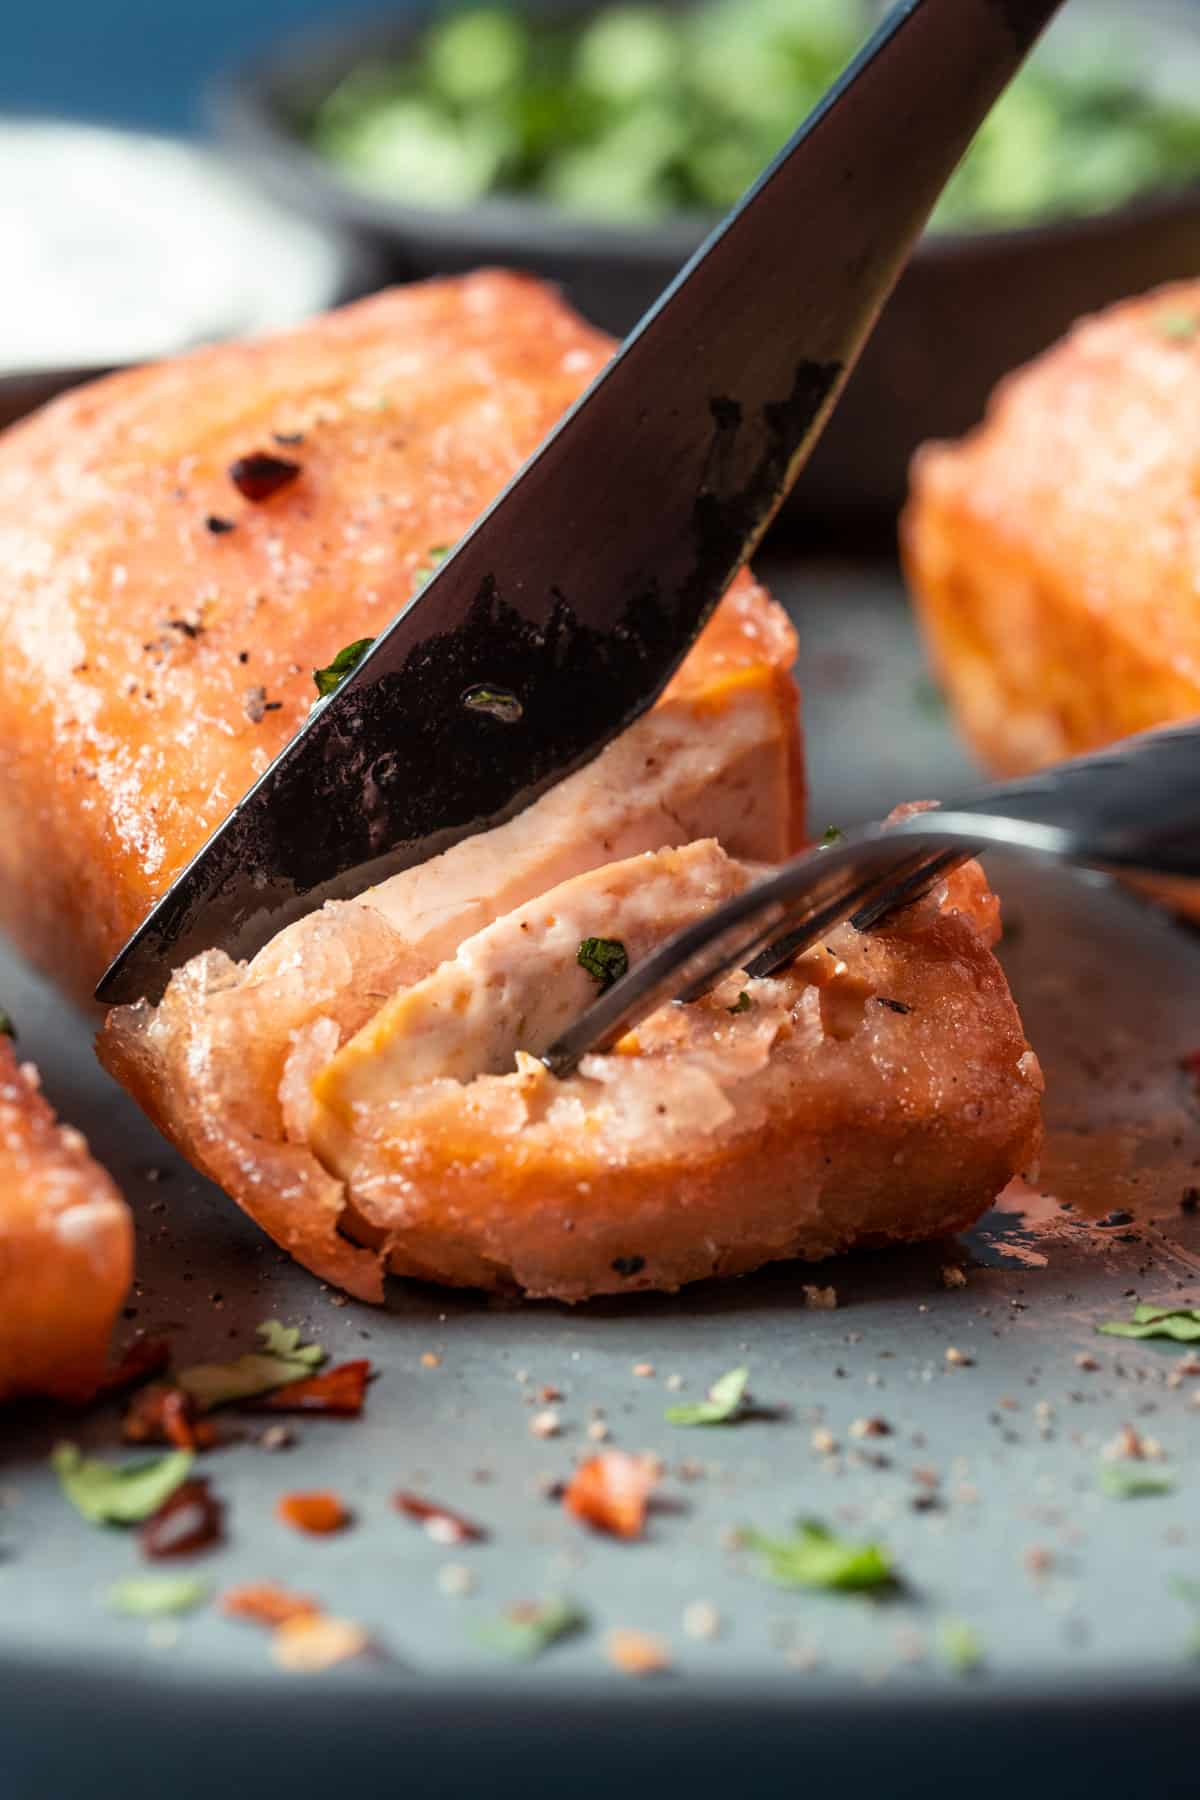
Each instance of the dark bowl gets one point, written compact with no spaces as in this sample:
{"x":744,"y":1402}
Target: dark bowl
{"x":968,"y":308}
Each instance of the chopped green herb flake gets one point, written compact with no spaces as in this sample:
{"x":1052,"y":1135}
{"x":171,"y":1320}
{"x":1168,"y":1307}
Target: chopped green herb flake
{"x":959,"y":1646}
{"x":434,"y":558}
{"x":343,"y":664}
{"x":1177,"y":327}
{"x":1181,"y":1323}
{"x":814,"y":1558}
{"x":525,"y":1631}
{"x":157,"y":1596}
{"x":832,"y":834}
{"x":723,"y":1404}
{"x":283,"y":1358}
{"x":111,"y":1495}
{"x":500,"y":703}
{"x":742,"y":1004}
{"x":7,"y":1028}
{"x":1132,"y":1481}
{"x":605,"y":960}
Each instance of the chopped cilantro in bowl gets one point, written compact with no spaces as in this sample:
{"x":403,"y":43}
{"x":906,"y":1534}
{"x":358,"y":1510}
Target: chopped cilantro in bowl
{"x":632,"y":112}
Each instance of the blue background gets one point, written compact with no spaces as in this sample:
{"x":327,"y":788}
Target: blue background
{"x":141,"y":62}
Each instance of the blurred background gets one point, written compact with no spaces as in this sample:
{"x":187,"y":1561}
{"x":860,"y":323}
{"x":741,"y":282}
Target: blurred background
{"x":175,"y":174}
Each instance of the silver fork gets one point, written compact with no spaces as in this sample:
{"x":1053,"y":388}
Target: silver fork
{"x":1134,"y":807}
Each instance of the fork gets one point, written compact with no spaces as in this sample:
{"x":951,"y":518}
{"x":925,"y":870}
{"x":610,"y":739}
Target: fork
{"x":1133,"y":808}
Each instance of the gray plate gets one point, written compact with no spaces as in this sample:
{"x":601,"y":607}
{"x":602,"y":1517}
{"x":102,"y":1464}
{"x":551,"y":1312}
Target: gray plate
{"x":796,"y":1685}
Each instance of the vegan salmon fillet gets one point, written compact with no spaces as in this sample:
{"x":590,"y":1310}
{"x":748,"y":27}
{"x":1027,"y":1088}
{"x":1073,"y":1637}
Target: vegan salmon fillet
{"x":165,"y":615}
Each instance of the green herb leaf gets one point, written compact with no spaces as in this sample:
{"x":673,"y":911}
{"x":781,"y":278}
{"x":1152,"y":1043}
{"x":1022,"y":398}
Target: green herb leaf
{"x":7,"y":1028}
{"x":815,"y":1558}
{"x":283,"y":1358}
{"x":1132,"y":1481}
{"x":1181,"y":1323}
{"x":742,"y":1004}
{"x":605,"y":960}
{"x":1177,"y":327}
{"x":156,"y":1596}
{"x":526,"y":1631}
{"x":832,"y":834}
{"x":723,"y":1404}
{"x":434,"y":558}
{"x":959,"y":1646}
{"x":109,"y":1495}
{"x":343,"y":664}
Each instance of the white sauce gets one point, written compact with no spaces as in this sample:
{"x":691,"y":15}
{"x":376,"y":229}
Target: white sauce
{"x":119,"y":246}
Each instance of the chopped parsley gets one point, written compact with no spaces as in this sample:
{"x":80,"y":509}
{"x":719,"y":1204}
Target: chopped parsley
{"x":156,"y":1596}
{"x":832,"y":834}
{"x":604,"y":959}
{"x":282,"y":1359}
{"x":435,"y":556}
{"x":742,"y":1004}
{"x":1177,"y":327}
{"x":1182,"y":1323}
{"x":112,"y":1495}
{"x":1133,"y":1481}
{"x":525,"y":1631}
{"x":500,"y":702}
{"x":7,"y":1028}
{"x":723,"y":1404}
{"x":814,"y":1558}
{"x":959,"y":1646}
{"x":343,"y":664}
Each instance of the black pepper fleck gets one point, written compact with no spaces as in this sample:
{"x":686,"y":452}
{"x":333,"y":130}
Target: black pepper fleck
{"x":218,"y":526}
{"x":628,"y":1265}
{"x":259,"y":475}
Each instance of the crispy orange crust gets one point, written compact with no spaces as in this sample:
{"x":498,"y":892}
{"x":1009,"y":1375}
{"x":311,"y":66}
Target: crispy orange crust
{"x":66,"y":1248}
{"x":140,"y":648}
{"x":1054,"y":554}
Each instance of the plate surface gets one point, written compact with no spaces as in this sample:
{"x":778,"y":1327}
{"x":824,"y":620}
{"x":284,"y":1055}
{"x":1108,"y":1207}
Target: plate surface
{"x":1068,"y":1591}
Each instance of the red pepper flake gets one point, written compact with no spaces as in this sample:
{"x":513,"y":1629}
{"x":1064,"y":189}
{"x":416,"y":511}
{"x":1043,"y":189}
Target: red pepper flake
{"x":266,"y":1603}
{"x":610,"y":1492}
{"x":259,"y":475}
{"x":339,"y":1392}
{"x":318,"y":1512}
{"x":144,"y":1358}
{"x":167,"y":1415}
{"x":442,"y":1525}
{"x":188,"y":1520}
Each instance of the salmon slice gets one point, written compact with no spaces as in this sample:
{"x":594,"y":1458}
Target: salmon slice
{"x":159,"y":628}
{"x":1054,"y":553}
{"x":879,"y":1090}
{"x":66,"y":1247}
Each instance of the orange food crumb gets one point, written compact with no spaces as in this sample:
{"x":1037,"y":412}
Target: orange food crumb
{"x":311,"y":1642}
{"x":318,"y":1512}
{"x":637,"y":1653}
{"x":266,"y":1603}
{"x":610,"y":1492}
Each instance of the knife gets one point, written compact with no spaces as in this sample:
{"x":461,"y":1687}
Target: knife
{"x":561,"y":616}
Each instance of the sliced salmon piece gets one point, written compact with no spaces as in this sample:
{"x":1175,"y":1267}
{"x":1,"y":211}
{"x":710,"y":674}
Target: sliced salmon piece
{"x":66,"y":1247}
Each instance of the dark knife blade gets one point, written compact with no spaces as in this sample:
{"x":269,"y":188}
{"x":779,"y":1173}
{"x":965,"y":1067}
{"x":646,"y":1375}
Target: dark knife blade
{"x":561,"y":616}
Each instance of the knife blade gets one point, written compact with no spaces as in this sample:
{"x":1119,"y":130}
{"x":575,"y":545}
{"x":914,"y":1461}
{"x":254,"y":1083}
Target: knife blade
{"x":563,"y":613}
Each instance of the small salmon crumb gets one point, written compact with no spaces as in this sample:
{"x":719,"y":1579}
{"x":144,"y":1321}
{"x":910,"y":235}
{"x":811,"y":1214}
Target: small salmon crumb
{"x":317,"y":1513}
{"x":820,"y":1299}
{"x":958,"y":1359}
{"x":611,"y":1491}
{"x":546,"y":1424}
{"x":266,"y":1603}
{"x":598,"y":1431}
{"x":637,"y":1653}
{"x":312,"y":1641}
{"x":953,"y":1276}
{"x":1130,"y":1446}
{"x":870,"y":1428}
{"x":430,"y":1360}
{"x":1085,"y":1360}
{"x":1038,"y":1560}
{"x":643,"y":1369}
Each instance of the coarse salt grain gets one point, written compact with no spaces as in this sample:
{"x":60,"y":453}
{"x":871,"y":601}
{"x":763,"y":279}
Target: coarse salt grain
{"x":958,"y":1359}
{"x":701,"y":1620}
{"x":455,"y":1579}
{"x":823,"y":1441}
{"x":598,"y":1431}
